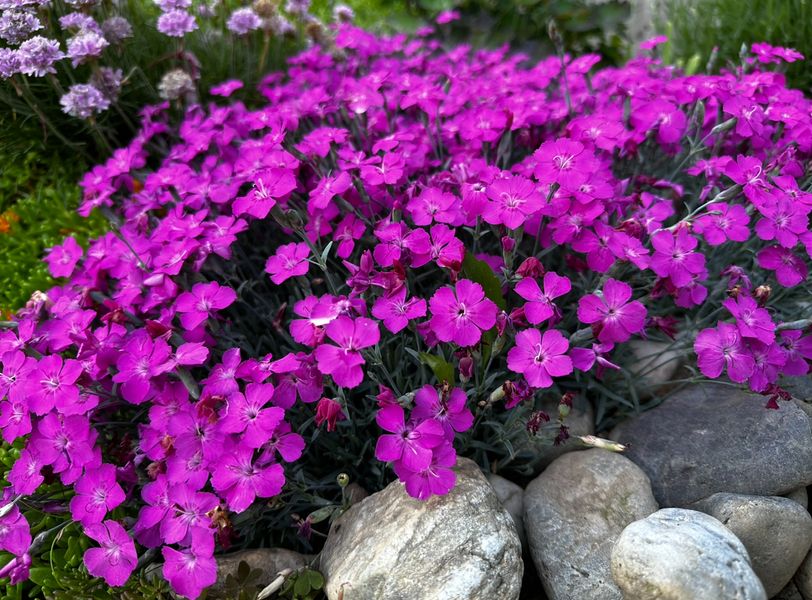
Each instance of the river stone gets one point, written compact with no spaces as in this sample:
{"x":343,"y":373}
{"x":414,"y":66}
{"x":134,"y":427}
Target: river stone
{"x":655,"y":364}
{"x":269,"y":560}
{"x":790,"y":592}
{"x":461,"y":546}
{"x":676,"y":554}
{"x":511,"y":496}
{"x":573,"y":513}
{"x":800,"y":496}
{"x":777,"y":533}
{"x":713,"y":438}
{"x":803,"y":578}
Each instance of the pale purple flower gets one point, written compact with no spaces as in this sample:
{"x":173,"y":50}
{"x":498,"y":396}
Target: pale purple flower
{"x":243,"y":21}
{"x":84,"y":46}
{"x":84,"y":100}
{"x":16,"y":25}
{"x":10,"y":63}
{"x":116,"y":29}
{"x":176,"y":23}
{"x":38,"y":55}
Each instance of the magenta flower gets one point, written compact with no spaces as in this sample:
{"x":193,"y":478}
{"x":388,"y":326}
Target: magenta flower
{"x":190,"y":514}
{"x":450,"y":411}
{"x":52,"y":382}
{"x":441,"y":246}
{"x":142,"y":360}
{"x":513,"y":200}
{"x":669,"y":120}
{"x":25,"y":476}
{"x":752,"y":321}
{"x":396,"y":312}
{"x":65,"y":443}
{"x":193,"y":569}
{"x":409,"y":443}
{"x":197,"y":306}
{"x":15,"y":532}
{"x":562,"y":161}
{"x":222,"y":378}
{"x":270,"y":185}
{"x":327,"y":189}
{"x":539,"y":306}
{"x":540,"y":357}
{"x":97,"y":493}
{"x":790,"y":270}
{"x":115,"y":559}
{"x":15,"y":419}
{"x":290,"y":260}
{"x":611,"y":314}
{"x":62,"y":259}
{"x":437,"y":479}
{"x":286,"y":443}
{"x":343,"y":362}
{"x":158,"y":507}
{"x":674,"y":256}
{"x":768,"y":362}
{"x":723,"y":222}
{"x":434,"y":206}
{"x":721,"y":347}
{"x":783,"y":220}
{"x":798,"y":349}
{"x":462,"y":313}
{"x":239,"y":479}
{"x":247,"y":414}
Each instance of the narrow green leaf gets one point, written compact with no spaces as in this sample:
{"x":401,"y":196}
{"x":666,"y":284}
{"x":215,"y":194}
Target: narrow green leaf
{"x":479,"y":272}
{"x":443,"y":370}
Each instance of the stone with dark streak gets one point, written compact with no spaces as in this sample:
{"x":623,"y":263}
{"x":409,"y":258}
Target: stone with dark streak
{"x":460,"y":546}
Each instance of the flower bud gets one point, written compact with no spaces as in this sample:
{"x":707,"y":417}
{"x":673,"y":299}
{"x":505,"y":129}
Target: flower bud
{"x":508,"y":244}
{"x":530,"y":267}
{"x":762,"y":294}
{"x":343,"y":480}
{"x":466,"y":368}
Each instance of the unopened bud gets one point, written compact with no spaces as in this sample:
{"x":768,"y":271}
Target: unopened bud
{"x":530,"y":267}
{"x":762,"y":294}
{"x":724,"y":126}
{"x":508,"y":244}
{"x":343,"y":480}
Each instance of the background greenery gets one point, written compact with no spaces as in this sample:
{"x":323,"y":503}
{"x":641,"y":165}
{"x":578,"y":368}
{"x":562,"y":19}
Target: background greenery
{"x":696,"y":27}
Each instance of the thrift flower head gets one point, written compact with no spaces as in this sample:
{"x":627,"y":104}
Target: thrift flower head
{"x":38,"y":55}
{"x":176,"y":23}
{"x":83,"y":101}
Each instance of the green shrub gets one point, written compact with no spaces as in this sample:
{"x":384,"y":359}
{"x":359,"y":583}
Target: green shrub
{"x":584,"y":26}
{"x":38,"y":199}
{"x":696,"y":27}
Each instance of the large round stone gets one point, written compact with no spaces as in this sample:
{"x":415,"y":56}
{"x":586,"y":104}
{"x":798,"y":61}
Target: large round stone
{"x":574,"y":511}
{"x":461,"y":546}
{"x":713,"y":438}
{"x":676,"y":554}
{"x":777,"y":533}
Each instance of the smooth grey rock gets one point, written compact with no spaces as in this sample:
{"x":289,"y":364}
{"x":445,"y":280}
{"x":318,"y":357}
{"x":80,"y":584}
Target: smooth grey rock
{"x":716,"y":438}
{"x":655,"y":364}
{"x":777,"y":533}
{"x":677,"y":554}
{"x":803,"y":578}
{"x":539,"y":452}
{"x":800,"y":496}
{"x":270,"y":560}
{"x":460,"y":546}
{"x":573,"y":513}
{"x":790,"y":592}
{"x":511,"y":496}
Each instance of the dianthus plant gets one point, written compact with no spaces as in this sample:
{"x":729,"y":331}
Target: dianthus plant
{"x":404,"y":243}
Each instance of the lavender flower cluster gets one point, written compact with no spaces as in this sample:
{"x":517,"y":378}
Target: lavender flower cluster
{"x":452,"y":234}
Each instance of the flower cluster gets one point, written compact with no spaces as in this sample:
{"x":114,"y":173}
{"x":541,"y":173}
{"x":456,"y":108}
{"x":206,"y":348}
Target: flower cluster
{"x":90,"y":56}
{"x":399,"y":235}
